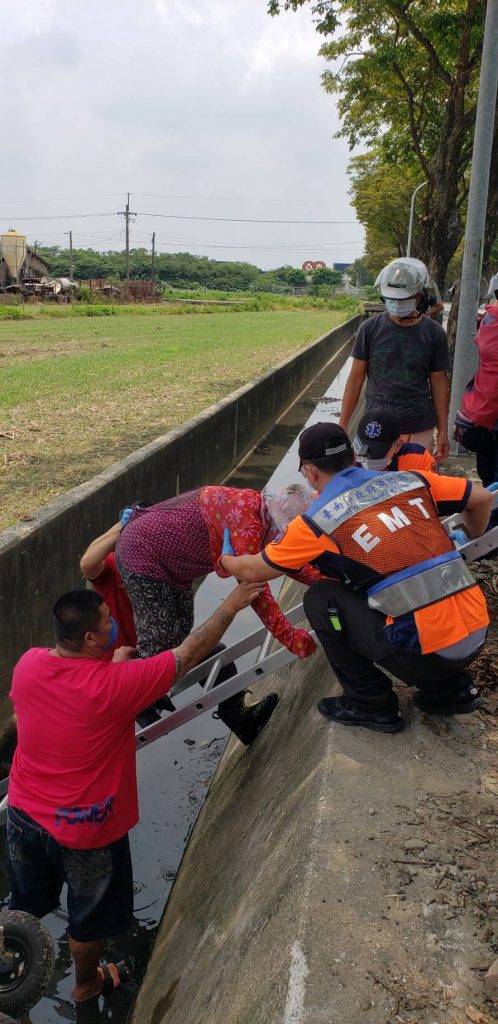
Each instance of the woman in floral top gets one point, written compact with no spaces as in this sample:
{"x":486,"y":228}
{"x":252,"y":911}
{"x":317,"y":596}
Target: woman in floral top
{"x":165,"y":547}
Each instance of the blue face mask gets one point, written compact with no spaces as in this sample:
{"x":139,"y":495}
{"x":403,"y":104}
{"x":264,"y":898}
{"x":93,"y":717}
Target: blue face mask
{"x":400,"y":307}
{"x":112,"y":636}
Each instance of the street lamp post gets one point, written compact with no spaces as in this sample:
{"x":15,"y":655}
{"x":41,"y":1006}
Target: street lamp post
{"x":410,"y":222}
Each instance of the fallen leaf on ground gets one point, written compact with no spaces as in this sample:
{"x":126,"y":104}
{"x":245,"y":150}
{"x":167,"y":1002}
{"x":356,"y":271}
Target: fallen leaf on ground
{"x":475,"y":1015}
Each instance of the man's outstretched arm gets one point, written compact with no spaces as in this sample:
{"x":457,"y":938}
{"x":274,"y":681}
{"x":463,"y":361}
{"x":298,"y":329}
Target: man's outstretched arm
{"x":200,"y":642}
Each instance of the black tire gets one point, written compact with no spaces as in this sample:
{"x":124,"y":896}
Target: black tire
{"x":33,"y":950}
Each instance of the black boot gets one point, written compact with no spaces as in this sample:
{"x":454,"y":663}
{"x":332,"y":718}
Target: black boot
{"x":462,"y":702}
{"x":246,"y":722}
{"x":153,"y":713}
{"x":339,"y":709}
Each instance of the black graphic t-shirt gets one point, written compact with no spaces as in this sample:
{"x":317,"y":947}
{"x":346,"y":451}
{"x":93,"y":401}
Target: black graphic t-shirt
{"x":400,"y":360}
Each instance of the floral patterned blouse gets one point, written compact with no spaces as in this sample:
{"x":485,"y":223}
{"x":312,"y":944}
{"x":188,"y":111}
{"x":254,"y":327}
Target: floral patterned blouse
{"x":180,"y":539}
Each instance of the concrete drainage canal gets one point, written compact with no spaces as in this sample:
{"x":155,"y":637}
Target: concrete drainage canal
{"x":175,"y":772}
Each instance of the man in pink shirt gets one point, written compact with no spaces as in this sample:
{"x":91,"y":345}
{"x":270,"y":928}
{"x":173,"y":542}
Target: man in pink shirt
{"x":73,"y":785}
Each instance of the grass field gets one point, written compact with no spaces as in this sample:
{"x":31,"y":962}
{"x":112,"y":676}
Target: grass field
{"x":79,"y":392}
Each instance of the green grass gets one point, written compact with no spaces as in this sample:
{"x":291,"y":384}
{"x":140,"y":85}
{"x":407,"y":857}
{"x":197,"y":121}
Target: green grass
{"x":179,"y":302}
{"x":79,"y":392}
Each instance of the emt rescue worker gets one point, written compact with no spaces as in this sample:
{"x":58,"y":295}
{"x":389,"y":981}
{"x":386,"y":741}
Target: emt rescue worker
{"x":379,"y":444}
{"x":404,"y":356}
{"x":73,"y":784}
{"x":166,"y":547}
{"x":399,"y":597}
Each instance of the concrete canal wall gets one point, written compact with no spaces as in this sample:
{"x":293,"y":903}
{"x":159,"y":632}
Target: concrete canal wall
{"x":39,"y":559}
{"x":323,"y":882}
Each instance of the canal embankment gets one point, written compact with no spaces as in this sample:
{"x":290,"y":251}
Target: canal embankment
{"x":335,"y":876}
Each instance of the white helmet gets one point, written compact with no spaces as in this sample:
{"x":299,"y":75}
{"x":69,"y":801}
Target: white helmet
{"x":402,"y":278}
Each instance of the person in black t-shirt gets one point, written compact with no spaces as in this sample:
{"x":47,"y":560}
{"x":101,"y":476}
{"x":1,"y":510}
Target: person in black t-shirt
{"x":404,"y":356}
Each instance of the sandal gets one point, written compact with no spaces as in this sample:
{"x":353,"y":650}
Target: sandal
{"x":124,"y":969}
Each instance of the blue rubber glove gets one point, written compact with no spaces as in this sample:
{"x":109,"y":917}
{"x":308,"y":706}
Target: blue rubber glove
{"x":227,"y":548}
{"x":458,"y":537}
{"x":492,"y":487}
{"x":126,"y":516}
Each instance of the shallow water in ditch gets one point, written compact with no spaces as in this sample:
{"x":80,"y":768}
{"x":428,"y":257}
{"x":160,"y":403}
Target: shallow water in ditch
{"x":174,"y":772}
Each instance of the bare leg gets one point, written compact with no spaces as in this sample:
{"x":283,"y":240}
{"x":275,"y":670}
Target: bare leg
{"x":89,"y":978}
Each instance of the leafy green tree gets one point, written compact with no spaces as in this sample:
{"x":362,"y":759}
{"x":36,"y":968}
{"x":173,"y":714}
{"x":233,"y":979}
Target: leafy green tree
{"x":407,"y":88}
{"x":177,"y":270}
{"x":294,"y":277}
{"x":364,"y":274}
{"x":326,"y":276}
{"x":381,"y":194}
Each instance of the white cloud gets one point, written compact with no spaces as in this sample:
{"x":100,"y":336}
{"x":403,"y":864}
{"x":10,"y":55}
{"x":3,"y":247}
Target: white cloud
{"x":171,"y":97}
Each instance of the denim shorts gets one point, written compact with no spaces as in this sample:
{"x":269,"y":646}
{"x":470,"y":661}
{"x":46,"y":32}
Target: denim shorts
{"x":99,"y":881}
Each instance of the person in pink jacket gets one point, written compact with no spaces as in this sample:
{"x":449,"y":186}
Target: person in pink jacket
{"x":476,"y":423}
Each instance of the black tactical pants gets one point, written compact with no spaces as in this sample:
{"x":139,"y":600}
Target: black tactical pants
{"x":359,"y":650}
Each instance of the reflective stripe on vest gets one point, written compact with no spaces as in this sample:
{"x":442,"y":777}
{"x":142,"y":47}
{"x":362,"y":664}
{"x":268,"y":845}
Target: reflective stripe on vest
{"x":348,"y":504}
{"x":420,"y":585}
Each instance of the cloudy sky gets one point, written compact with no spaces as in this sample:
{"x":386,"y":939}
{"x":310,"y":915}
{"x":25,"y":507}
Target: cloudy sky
{"x":200,"y":108}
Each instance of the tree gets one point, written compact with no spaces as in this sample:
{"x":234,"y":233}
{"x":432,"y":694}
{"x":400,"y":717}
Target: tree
{"x":363,"y":272}
{"x":407,"y":83}
{"x":294,"y":277}
{"x":327,"y":276}
{"x":381,"y":194}
{"x":179,"y":270}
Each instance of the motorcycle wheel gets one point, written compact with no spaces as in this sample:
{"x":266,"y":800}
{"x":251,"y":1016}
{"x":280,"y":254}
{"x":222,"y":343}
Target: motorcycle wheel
{"x":27,"y":964}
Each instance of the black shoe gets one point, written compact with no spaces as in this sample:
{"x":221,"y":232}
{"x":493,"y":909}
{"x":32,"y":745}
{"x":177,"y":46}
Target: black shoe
{"x":148,"y":716}
{"x":153,"y":713}
{"x":463,"y":703}
{"x":247,"y":722}
{"x":338,"y":709}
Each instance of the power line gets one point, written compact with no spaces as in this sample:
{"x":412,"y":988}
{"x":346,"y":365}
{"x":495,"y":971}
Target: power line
{"x":62,"y":199}
{"x":328,"y":246}
{"x":237,"y":199}
{"x":160,"y":195}
{"x":241,"y":220}
{"x":58,"y":216}
{"x":182,"y":216}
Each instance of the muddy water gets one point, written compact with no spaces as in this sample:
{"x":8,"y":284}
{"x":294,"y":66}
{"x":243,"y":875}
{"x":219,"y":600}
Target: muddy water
{"x":174,"y":773}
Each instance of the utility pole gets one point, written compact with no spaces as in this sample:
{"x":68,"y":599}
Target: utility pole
{"x":152,"y":261}
{"x":410,"y":222}
{"x":465,"y":357}
{"x":127,"y":219}
{"x":127,"y":214}
{"x":71,"y":265}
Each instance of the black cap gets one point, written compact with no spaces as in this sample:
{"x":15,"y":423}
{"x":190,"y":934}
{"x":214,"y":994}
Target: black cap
{"x":377,"y":431}
{"x":322,"y":440}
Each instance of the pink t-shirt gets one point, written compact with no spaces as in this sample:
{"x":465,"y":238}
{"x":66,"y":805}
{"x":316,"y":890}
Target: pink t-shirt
{"x":74,"y":769}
